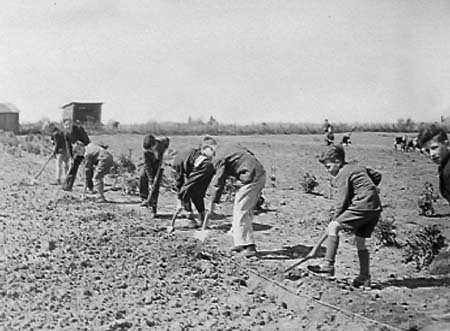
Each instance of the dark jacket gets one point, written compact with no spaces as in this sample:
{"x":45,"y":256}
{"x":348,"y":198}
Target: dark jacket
{"x":61,"y":142}
{"x":78,"y":133}
{"x":153,"y":158}
{"x":444,"y":178}
{"x":238,"y":162}
{"x":193,"y":173}
{"x":357,"y":190}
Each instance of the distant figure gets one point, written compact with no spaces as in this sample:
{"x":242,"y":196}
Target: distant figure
{"x":346,"y":139}
{"x":328,"y":133}
{"x":400,"y":142}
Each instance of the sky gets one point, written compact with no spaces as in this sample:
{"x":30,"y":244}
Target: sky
{"x":240,"y":61}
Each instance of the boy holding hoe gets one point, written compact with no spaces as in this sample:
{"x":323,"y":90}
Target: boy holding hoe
{"x":151,"y":173}
{"x":242,"y":164}
{"x":79,"y":138}
{"x":194,"y":171}
{"x":98,"y":163}
{"x":358,"y":208}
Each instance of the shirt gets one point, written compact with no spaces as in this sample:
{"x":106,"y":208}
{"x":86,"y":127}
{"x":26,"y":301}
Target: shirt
{"x":153,"y":158}
{"x":61,"y":142}
{"x":356,"y":189}
{"x":238,"y":162}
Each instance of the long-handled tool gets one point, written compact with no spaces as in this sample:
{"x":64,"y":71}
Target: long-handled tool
{"x":171,"y":228}
{"x":203,"y":233}
{"x":42,"y":169}
{"x":282,"y":274}
{"x":311,"y":255}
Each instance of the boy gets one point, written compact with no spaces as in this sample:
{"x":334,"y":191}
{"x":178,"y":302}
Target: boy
{"x":194,"y":171}
{"x":151,"y":173}
{"x":358,"y":208}
{"x":61,"y":152}
{"x":98,"y":163}
{"x":242,"y":164}
{"x":80,"y":139}
{"x":433,"y":139}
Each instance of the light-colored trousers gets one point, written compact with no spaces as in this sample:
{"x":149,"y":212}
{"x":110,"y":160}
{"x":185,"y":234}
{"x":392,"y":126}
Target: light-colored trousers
{"x":243,"y":211}
{"x":62,"y":166}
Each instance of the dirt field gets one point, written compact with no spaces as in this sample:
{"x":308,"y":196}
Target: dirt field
{"x":73,"y":265}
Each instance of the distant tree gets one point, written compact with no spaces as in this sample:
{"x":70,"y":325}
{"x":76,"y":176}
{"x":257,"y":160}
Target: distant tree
{"x":407,"y":125}
{"x":212,"y":121}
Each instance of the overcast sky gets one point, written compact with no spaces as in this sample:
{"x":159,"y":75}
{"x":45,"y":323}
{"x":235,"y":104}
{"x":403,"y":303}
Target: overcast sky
{"x":239,"y":61}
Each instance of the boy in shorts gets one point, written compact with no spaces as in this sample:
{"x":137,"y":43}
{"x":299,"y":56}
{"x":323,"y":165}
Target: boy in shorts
{"x":358,"y":208}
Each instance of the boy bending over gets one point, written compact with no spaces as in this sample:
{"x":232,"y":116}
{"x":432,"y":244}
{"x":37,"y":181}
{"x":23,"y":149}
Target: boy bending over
{"x":98,"y":163}
{"x":357,"y":208}
{"x":240,"y":163}
{"x":194,"y":171}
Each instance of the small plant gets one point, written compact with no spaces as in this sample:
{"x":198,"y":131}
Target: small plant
{"x":385,"y":232}
{"x":123,"y":171}
{"x":424,"y":246}
{"x":425,"y":200}
{"x":309,"y":182}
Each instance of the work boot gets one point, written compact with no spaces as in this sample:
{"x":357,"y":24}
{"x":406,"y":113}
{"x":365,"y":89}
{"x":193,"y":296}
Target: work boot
{"x":68,"y":184}
{"x":361,"y":280}
{"x":67,"y":188}
{"x":237,"y":249}
{"x":153,"y":213}
{"x":330,"y":255}
{"x":326,"y":268}
{"x":193,"y":224}
{"x":101,"y":199}
{"x":249,"y":251}
{"x":244,"y":250}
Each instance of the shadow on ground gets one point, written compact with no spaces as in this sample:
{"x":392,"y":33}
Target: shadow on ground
{"x":289,"y":253}
{"x":413,"y":283}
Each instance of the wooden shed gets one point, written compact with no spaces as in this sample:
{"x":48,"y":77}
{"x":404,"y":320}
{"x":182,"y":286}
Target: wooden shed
{"x":85,"y":112}
{"x":9,"y":117}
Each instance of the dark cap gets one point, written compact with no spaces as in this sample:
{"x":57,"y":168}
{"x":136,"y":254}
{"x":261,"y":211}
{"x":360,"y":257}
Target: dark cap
{"x":149,"y":141}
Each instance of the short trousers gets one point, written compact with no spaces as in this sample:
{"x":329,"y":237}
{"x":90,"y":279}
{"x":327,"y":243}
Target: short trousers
{"x":362,"y":223}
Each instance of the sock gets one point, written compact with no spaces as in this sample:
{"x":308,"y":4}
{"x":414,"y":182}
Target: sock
{"x":364,"y":264}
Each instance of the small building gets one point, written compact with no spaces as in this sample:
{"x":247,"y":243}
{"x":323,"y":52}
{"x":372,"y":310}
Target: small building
{"x":85,"y":112}
{"x":9,"y":117}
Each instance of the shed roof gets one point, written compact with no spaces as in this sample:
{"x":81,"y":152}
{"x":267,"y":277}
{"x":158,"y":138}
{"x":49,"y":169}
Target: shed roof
{"x":82,"y":103}
{"x":7,"y":108}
